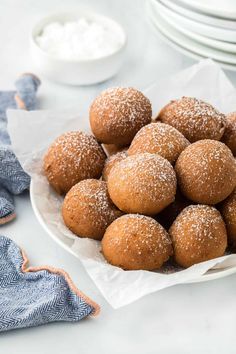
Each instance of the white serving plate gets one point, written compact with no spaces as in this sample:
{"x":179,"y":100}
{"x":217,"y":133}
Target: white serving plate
{"x":221,"y":8}
{"x":186,"y":45}
{"x":228,"y":35}
{"x":66,"y":242}
{"x":199,"y":16}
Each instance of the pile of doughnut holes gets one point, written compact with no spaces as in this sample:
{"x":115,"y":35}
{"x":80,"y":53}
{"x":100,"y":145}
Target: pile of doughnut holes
{"x":151,"y":190}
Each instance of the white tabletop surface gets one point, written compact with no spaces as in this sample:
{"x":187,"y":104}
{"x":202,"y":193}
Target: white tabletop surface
{"x":197,"y":318}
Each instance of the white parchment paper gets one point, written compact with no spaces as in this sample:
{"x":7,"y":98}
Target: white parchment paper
{"x":32,"y":132}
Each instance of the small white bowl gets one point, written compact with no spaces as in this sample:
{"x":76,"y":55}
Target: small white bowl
{"x":77,"y":72}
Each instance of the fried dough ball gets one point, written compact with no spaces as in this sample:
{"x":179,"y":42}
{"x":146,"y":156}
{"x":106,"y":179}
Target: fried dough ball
{"x":168,"y":215}
{"x":206,"y":172}
{"x":87,"y":209}
{"x":111,"y":161}
{"x":228,"y":210}
{"x":229,"y":137}
{"x":194,"y":118}
{"x":117,"y":114}
{"x":135,"y":242}
{"x":198,"y":234}
{"x":159,"y":138}
{"x":72,"y":157}
{"x":143,"y":183}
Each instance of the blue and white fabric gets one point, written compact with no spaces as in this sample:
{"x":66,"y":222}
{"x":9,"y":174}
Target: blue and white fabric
{"x":13,"y":180}
{"x":31,"y":298}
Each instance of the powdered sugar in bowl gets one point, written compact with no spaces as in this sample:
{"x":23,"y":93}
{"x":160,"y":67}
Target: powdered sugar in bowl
{"x":78,"y":49}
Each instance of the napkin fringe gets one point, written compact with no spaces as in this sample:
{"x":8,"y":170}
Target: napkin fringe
{"x":68,"y":279}
{"x":20,"y":103}
{"x":7,"y":218}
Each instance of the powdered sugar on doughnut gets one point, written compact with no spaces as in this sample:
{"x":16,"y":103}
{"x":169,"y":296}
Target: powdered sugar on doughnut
{"x":93,"y":195}
{"x":194,"y":118}
{"x":127,"y":102}
{"x":204,"y":224}
{"x":118,"y":113}
{"x":72,"y":157}
{"x":136,"y":242}
{"x":206,"y":171}
{"x":144,"y":228}
{"x":87,"y":209}
{"x":151,"y":166}
{"x":142,"y":183}
{"x":159,"y":138}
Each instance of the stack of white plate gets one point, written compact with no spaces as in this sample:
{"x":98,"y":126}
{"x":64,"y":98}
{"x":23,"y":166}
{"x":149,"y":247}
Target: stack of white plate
{"x":198,"y":28}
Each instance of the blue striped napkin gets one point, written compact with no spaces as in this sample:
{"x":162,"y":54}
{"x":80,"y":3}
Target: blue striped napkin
{"x":31,"y":296}
{"x":13,"y":180}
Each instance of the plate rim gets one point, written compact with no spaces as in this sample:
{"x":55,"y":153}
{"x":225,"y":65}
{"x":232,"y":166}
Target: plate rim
{"x":43,"y":223}
{"x":207,"y":41}
{"x":214,"y":11}
{"x":184,"y":49}
{"x":199,"y":16}
{"x":227,"y":35}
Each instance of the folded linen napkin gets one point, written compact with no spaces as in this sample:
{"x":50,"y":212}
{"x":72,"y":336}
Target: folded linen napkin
{"x":32,"y":296}
{"x":13,"y":180}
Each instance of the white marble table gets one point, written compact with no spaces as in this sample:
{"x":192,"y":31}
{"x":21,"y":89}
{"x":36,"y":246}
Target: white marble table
{"x":197,"y":318}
